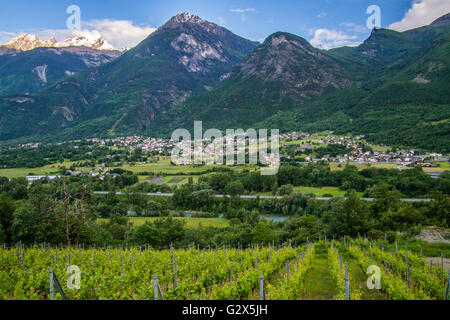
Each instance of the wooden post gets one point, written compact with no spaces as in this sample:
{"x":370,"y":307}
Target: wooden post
{"x":340,"y":262}
{"x":442,"y":263}
{"x":121,"y":261}
{"x":262,"y":295}
{"x":70,"y":258}
{"x":95,"y":259}
{"x":297,"y":261}
{"x":56,"y":256}
{"x":431,"y":267}
{"x":396,"y":246}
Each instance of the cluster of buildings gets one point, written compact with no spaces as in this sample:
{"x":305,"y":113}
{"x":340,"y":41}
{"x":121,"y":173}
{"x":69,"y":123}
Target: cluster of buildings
{"x":147,"y":145}
{"x":360,"y":155}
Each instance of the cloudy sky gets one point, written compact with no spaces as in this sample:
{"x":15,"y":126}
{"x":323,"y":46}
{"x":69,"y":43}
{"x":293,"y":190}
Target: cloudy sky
{"x":325,"y":23}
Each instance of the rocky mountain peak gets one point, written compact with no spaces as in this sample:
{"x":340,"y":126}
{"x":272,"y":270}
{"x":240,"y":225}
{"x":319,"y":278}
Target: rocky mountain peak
{"x":184,"y":17}
{"x":442,"y":21}
{"x":27,"y":42}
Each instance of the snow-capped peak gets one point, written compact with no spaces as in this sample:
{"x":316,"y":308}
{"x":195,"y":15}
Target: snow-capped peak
{"x":81,"y":41}
{"x":26,"y":42}
{"x":187,"y":17}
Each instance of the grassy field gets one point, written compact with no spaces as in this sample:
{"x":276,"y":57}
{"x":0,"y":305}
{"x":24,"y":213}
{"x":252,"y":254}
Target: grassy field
{"x":319,"y":192}
{"x":190,"y":222}
{"x":335,"y":167}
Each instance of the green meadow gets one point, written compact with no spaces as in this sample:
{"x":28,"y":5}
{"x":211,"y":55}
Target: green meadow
{"x":190,"y":222}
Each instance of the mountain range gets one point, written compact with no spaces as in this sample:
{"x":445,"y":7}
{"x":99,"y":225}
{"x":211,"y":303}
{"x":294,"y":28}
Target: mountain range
{"x":394,"y":87}
{"x":29,"y":64}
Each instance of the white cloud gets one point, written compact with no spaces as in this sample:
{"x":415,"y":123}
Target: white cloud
{"x":422,"y":12}
{"x":322,"y":14}
{"x":119,"y":33}
{"x":353,"y":27}
{"x":239,"y":10}
{"x":243,"y":12}
{"x":328,"y":39}
{"x":5,"y":36}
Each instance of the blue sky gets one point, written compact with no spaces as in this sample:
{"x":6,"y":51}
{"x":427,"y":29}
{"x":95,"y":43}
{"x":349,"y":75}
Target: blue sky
{"x":333,"y":22}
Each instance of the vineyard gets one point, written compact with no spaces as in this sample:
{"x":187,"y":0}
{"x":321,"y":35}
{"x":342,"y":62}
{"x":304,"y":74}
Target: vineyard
{"x":268,"y":272}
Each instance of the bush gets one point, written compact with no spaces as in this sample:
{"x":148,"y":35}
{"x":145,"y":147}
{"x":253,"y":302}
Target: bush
{"x":375,"y":234}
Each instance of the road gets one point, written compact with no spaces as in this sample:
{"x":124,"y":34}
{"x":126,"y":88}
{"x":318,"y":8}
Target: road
{"x":251,"y":196}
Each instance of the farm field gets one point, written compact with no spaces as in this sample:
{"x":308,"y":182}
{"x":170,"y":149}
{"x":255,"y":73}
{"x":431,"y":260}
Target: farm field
{"x":319,"y":192}
{"x":190,"y":222}
{"x":324,"y":270}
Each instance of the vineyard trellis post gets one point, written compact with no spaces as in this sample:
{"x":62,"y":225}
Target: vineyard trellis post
{"x":262,"y":294}
{"x":448,"y":286}
{"x":442,"y":263}
{"x":231,"y":271}
{"x":408,"y":276}
{"x":406,"y":254}
{"x":54,"y":280}
{"x":287,"y":273}
{"x":157,"y":292}
{"x":347,"y":284}
{"x":175,"y":282}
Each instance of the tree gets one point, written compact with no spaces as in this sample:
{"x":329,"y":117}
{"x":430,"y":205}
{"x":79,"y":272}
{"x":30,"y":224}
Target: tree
{"x":145,"y":234}
{"x":168,"y":231}
{"x":2,"y":234}
{"x":286,"y":190}
{"x":7,"y":208}
{"x":234,"y":189}
{"x":348,"y":217}
{"x":275,"y":188}
{"x":263,"y":233}
{"x":25,"y":226}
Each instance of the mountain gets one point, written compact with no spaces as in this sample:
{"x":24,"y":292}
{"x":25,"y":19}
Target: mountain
{"x":185,"y":57}
{"x":27,"y":42}
{"x":29,"y":64}
{"x":29,"y":72}
{"x":281,"y":74}
{"x":394,"y":88}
